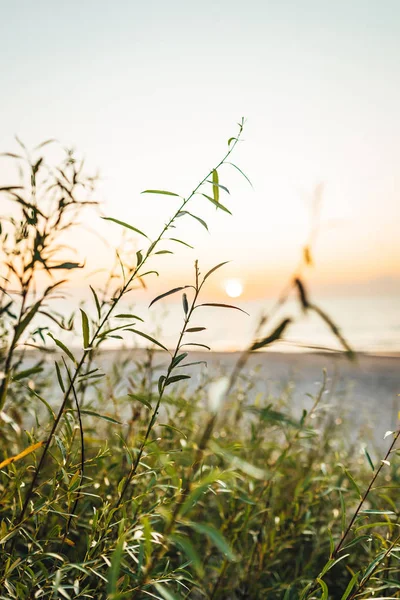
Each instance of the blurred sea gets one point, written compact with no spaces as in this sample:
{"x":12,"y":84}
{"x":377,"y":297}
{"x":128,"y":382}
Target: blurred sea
{"x":369,"y":324}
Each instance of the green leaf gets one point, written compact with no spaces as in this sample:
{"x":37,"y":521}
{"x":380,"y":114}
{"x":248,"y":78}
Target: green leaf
{"x":272,"y":416}
{"x":128,"y":316}
{"x":350,"y":586}
{"x":218,"y":185}
{"x":63,"y":348}
{"x":27,"y":373}
{"x":215,"y":537}
{"x":199,"y":345}
{"x":214,"y":182}
{"x":142,"y":399}
{"x":185,"y":212}
{"x":185,"y":304}
{"x":59,"y":377}
{"x":178,"y":359}
{"x":96,"y":302}
{"x":105,"y":417}
{"x":372,"y":566}
{"x":188,"y":548}
{"x":176,"y":378}
{"x":373,"y":511}
{"x":352,"y":482}
{"x":215,"y":268}
{"x":160,"y":384}
{"x":371,"y":464}
{"x":231,"y":139}
{"x":165,"y":593}
{"x":47,"y":405}
{"x":67,"y":265}
{"x":181,"y":242}
{"x":240,"y":171}
{"x":114,"y":570}
{"x":195,"y":329}
{"x":218,"y":305}
{"x":302,"y":294}
{"x":343,"y":511}
{"x":191,"y":364}
{"x":163,"y":192}
{"x":23,"y":324}
{"x":325,"y":591}
{"x":148,"y":337}
{"x":125,"y":225}
{"x":85,"y":329}
{"x":173,"y":429}
{"x":275,"y":335}
{"x":173,"y":291}
{"x":217,"y":204}
{"x":163,"y":252}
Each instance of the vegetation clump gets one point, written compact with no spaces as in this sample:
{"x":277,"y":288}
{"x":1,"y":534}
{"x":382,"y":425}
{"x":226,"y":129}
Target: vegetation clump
{"x":138,"y":482}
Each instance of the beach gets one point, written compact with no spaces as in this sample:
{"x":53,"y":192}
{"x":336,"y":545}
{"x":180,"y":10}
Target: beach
{"x":363,"y":395}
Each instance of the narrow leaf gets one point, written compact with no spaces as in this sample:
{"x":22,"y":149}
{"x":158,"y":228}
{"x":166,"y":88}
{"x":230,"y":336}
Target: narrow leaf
{"x":85,"y":329}
{"x":240,"y":171}
{"x":148,"y":337}
{"x":199,"y":345}
{"x":218,"y":305}
{"x":215,"y":268}
{"x":160,"y":384}
{"x":275,"y":335}
{"x":163,"y":192}
{"x":25,"y":452}
{"x":27,"y":373}
{"x":178,"y":359}
{"x":217,"y":204}
{"x":176,"y":378}
{"x":216,"y":538}
{"x":195,"y":329}
{"x":96,"y":302}
{"x":63,"y":347}
{"x":218,"y":185}
{"x":215,"y":181}
{"x":140,"y":398}
{"x":105,"y":417}
{"x":125,"y":225}
{"x":185,"y":212}
{"x":128,"y":316}
{"x":181,"y":242}
{"x":371,"y":464}
{"x":185,"y":304}
{"x":173,"y":291}
{"x":59,"y":377}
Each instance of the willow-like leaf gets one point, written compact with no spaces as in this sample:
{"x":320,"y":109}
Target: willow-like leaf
{"x":173,"y":291}
{"x":123,"y":224}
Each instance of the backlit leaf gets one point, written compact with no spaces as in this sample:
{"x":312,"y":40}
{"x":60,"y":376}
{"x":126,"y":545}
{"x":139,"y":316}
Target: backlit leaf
{"x":218,"y":305}
{"x":125,"y":225}
{"x":163,"y":192}
{"x":85,"y":329}
{"x":173,"y":291}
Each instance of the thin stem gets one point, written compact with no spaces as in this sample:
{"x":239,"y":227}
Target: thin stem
{"x":123,"y":290}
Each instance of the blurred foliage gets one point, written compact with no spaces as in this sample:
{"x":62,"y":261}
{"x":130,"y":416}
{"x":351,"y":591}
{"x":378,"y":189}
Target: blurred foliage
{"x":142,"y":481}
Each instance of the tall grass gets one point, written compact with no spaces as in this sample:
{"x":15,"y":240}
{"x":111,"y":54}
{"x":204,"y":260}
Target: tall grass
{"x":151,"y":486}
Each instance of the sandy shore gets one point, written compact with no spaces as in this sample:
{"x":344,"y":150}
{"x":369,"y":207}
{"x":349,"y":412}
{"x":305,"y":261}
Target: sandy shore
{"x":364,"y":393}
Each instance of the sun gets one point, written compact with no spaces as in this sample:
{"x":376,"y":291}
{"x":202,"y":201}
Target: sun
{"x":233,"y":287}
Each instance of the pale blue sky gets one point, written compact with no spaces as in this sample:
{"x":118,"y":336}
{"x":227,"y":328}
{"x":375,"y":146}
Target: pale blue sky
{"x":150,"y":92}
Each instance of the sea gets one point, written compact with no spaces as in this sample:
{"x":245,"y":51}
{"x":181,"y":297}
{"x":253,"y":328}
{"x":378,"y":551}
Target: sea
{"x":369,"y":324}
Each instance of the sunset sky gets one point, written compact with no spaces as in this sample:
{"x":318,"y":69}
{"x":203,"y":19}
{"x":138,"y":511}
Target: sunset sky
{"x":150,"y":93}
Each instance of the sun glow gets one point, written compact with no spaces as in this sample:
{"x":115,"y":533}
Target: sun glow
{"x":233,"y":287}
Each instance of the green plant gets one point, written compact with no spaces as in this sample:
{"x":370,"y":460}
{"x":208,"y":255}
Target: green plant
{"x":140,"y":483}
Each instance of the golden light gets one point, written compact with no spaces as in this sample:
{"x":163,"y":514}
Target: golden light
{"x":233,"y":287}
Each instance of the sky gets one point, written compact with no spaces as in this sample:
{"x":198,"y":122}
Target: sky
{"x":150,"y":93}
